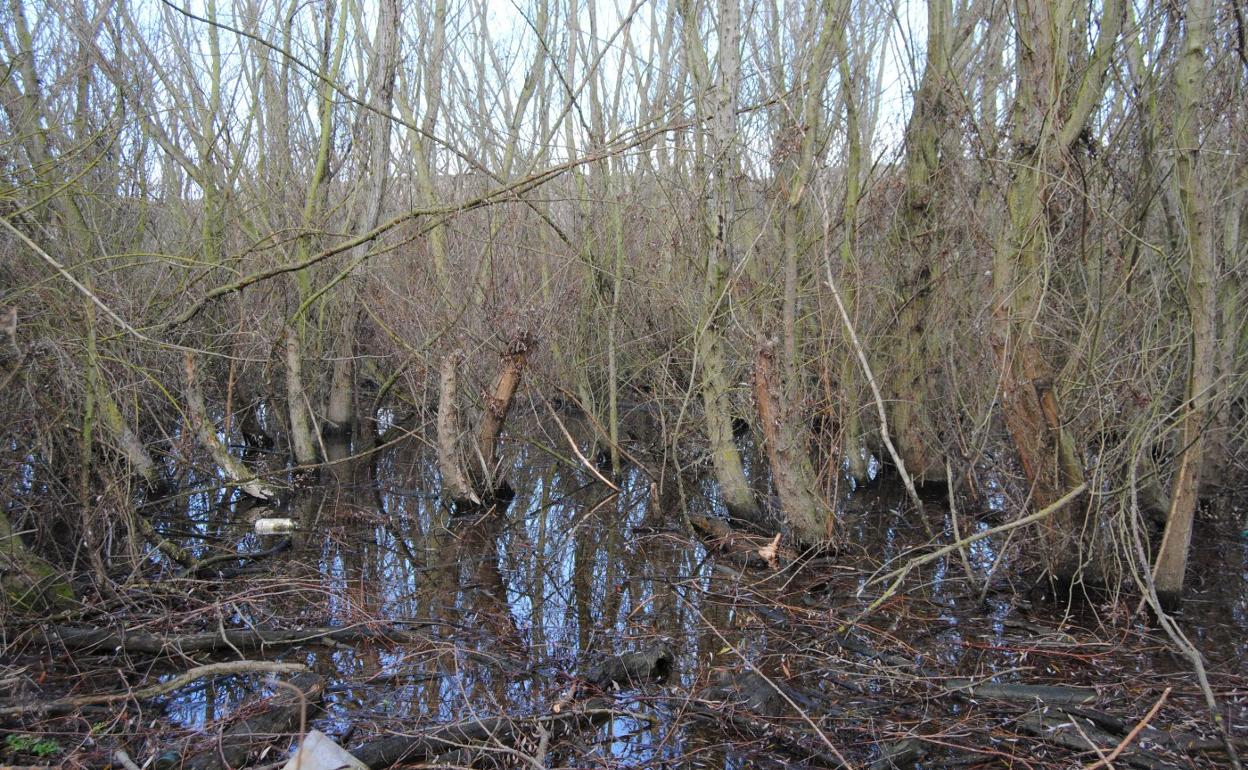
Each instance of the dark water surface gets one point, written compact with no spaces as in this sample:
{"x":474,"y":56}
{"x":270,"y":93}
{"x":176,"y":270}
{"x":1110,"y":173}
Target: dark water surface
{"x":509,"y":606}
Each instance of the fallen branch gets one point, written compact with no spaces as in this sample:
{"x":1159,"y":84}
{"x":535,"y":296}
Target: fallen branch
{"x":1135,"y":731}
{"x":1059,"y":730}
{"x":78,"y":638}
{"x":505,"y":732}
{"x":66,"y":705}
{"x":927,"y":558}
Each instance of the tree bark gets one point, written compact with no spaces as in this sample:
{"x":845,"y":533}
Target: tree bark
{"x":1049,"y":116}
{"x":714,"y":382}
{"x":1202,"y":307}
{"x":811,"y":519}
{"x":455,"y":484}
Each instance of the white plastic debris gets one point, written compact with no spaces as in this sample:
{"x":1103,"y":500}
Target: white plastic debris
{"x":275,"y":526}
{"x":319,"y":752}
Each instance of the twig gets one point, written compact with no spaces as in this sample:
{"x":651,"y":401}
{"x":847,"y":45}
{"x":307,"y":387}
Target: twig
{"x":919,"y":561}
{"x":898,"y":463}
{"x":1105,"y":761}
{"x":577,"y":450}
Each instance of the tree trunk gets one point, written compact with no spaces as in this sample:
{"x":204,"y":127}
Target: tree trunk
{"x":455,"y":484}
{"x":340,"y":412}
{"x":792,"y":474}
{"x":1201,"y":304}
{"x":1049,"y":116}
{"x":912,"y":387}
{"x":714,"y":383}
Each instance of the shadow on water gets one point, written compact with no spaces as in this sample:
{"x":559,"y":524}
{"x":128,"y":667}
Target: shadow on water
{"x":504,"y":607}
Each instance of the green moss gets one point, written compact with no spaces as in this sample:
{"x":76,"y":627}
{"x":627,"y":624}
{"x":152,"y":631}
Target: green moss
{"x":29,"y":582}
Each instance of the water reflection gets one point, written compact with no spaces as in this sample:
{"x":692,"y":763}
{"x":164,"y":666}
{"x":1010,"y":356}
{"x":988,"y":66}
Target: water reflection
{"x":507,"y":603}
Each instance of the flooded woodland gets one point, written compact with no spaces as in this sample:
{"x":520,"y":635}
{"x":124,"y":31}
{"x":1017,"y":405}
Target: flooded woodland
{"x":662,"y":384}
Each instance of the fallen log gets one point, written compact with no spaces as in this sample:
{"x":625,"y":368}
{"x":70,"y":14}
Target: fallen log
{"x":106,"y":640}
{"x":1060,"y":729}
{"x":283,"y":714}
{"x":1049,"y":695}
{"x":653,"y":664}
{"x":756,"y":708}
{"x":496,"y":731}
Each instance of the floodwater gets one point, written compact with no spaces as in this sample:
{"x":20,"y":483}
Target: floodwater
{"x":504,"y":609}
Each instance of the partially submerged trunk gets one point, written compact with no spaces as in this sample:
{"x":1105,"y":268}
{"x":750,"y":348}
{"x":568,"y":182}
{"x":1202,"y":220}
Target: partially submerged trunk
{"x":450,"y":460}
{"x":482,"y":484}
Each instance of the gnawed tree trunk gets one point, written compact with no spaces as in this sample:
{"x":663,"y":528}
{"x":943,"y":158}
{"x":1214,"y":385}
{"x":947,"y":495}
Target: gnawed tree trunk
{"x":206,"y":432}
{"x":1051,"y":111}
{"x":1201,"y":304}
{"x":450,"y":460}
{"x":482,"y":484}
{"x":497,"y":404}
{"x":792,"y":473}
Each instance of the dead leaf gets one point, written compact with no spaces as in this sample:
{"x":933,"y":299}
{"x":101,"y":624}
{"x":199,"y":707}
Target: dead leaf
{"x":769,"y":551}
